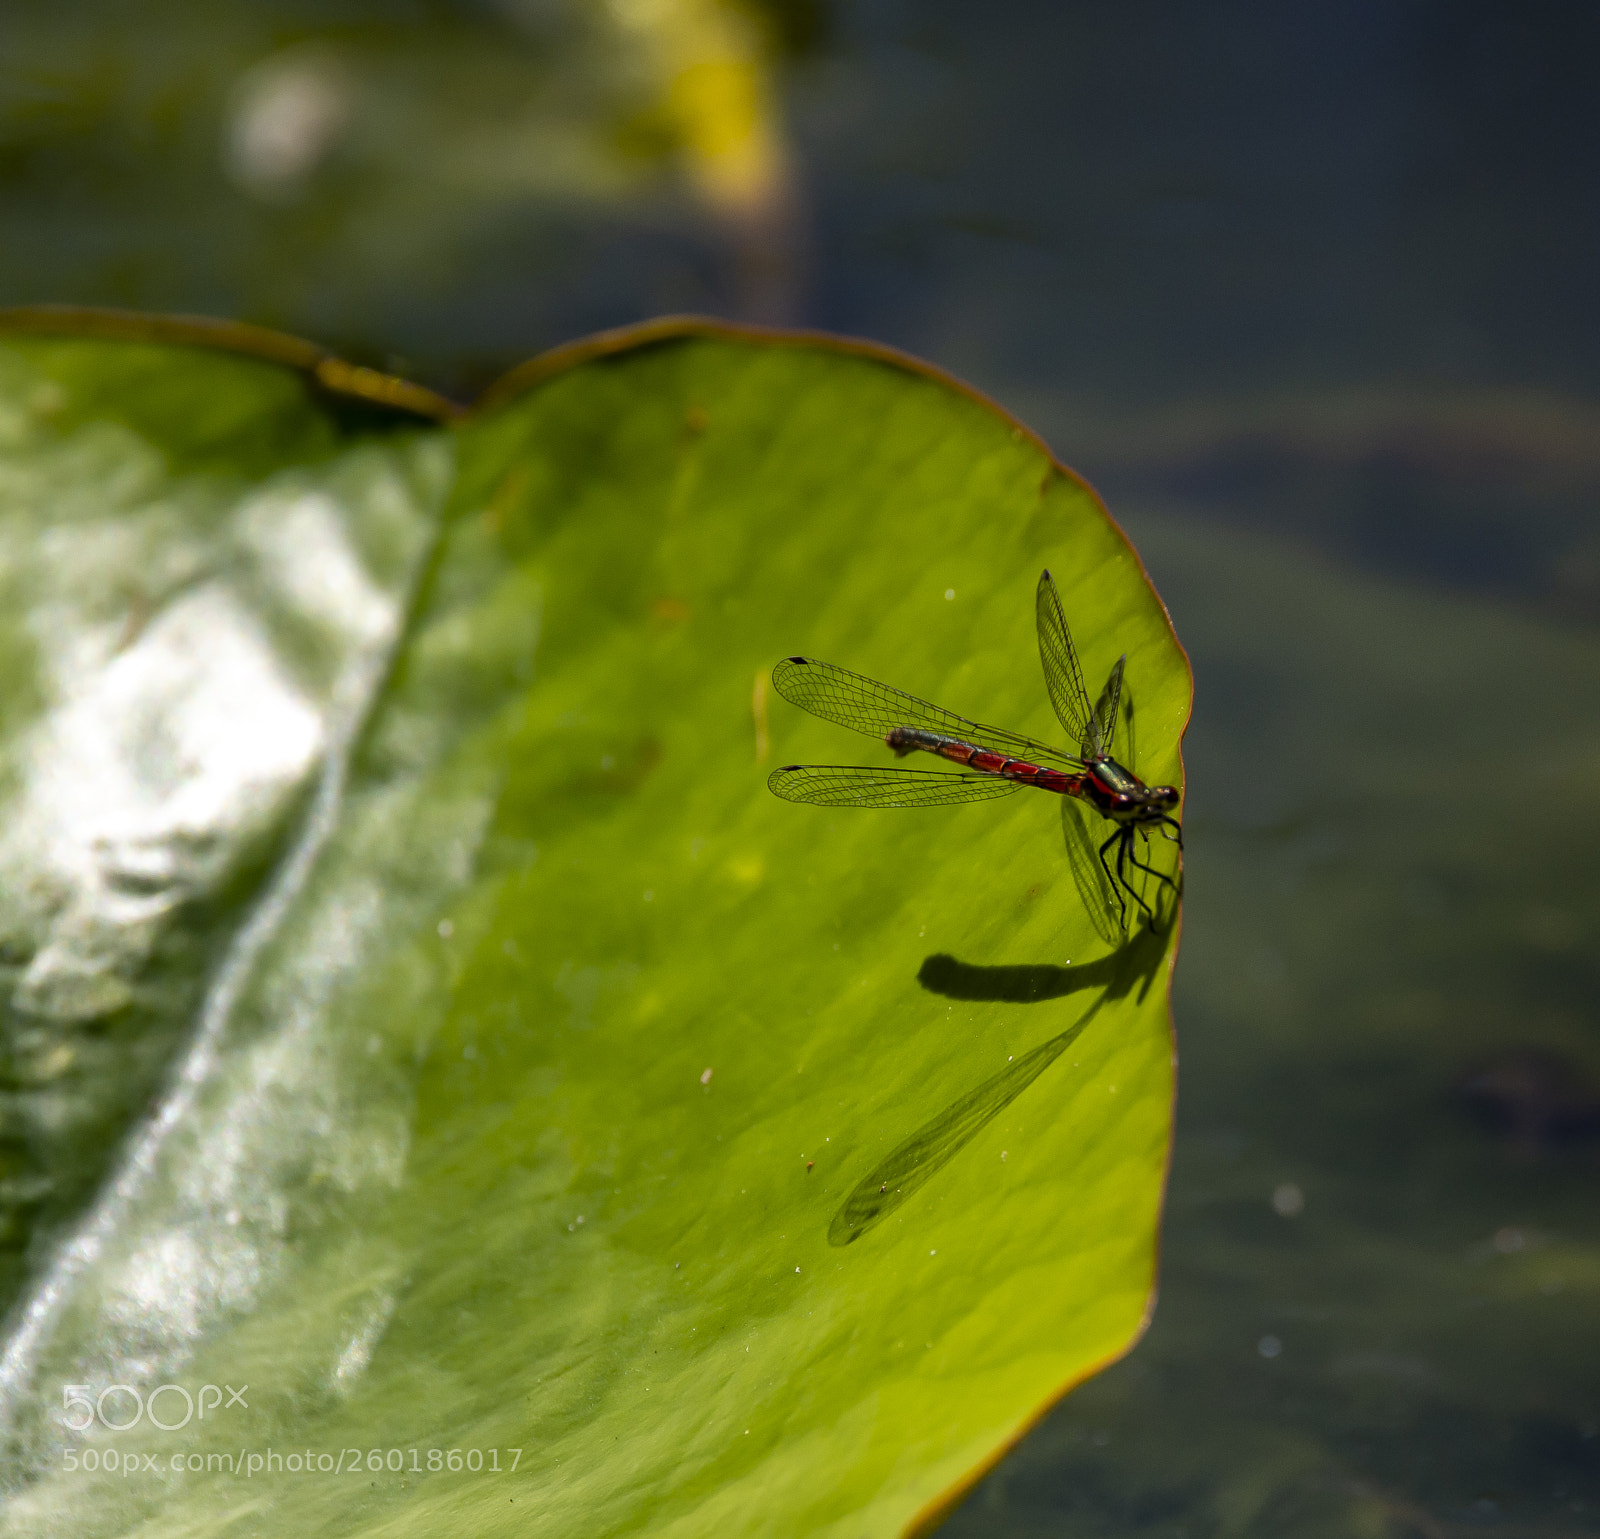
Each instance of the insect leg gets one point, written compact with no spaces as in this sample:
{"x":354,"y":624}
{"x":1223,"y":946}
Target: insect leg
{"x":1125,"y":853}
{"x":1111,"y":881}
{"x":1160,"y":876}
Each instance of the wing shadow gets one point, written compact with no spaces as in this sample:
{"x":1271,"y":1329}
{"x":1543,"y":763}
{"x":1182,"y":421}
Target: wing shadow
{"x":911,"y":1164}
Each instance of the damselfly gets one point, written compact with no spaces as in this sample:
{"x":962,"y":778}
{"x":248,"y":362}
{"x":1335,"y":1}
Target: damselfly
{"x":996,"y":763}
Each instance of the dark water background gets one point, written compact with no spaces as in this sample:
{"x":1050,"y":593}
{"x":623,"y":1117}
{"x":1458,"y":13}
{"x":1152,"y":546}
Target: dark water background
{"x":1309,"y":291}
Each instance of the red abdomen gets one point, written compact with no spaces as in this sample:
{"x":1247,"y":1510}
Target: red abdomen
{"x":988,"y":762}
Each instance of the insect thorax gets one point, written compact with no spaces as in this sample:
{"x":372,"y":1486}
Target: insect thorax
{"x":1116,"y":779}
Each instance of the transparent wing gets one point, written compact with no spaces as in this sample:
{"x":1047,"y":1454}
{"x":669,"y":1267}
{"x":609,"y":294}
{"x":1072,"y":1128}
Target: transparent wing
{"x":1129,"y":737}
{"x":1102,"y":734}
{"x":833,"y":785}
{"x":1062,"y":675}
{"x":864,"y":705}
{"x":1106,"y":908}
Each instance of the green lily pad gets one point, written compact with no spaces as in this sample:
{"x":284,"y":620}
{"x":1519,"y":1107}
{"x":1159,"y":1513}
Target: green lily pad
{"x":568,"y":1133}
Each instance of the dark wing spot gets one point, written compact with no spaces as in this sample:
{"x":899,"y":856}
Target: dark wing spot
{"x":794,"y":659}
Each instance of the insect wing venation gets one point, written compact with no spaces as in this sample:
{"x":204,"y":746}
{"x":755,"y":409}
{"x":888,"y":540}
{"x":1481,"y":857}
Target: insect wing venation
{"x":831,"y":785}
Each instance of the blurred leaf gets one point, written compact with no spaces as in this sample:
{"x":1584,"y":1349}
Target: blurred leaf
{"x":336,"y":168}
{"x":705,"y":1162}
